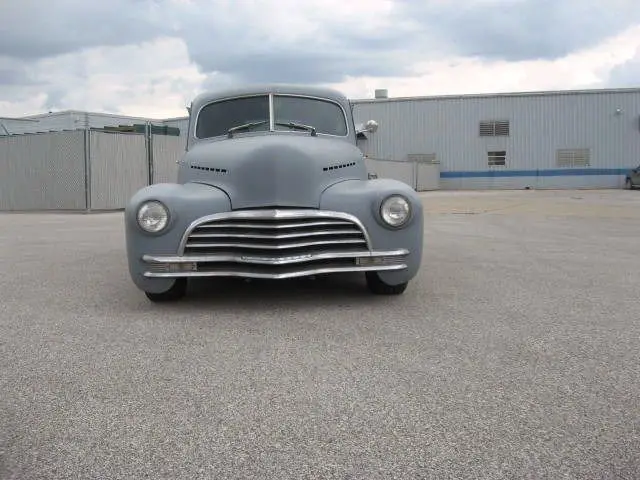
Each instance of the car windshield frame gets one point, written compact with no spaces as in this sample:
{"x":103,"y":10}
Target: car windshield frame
{"x":271,"y":125}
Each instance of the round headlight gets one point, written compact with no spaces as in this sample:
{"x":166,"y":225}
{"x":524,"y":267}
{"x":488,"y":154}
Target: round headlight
{"x":153,"y":216}
{"x":395,"y":211}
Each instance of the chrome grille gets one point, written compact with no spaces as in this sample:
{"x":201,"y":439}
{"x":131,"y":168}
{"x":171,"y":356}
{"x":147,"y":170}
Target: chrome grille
{"x":275,"y":233}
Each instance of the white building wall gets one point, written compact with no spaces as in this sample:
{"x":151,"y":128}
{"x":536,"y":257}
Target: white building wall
{"x":182,"y":123}
{"x":604,"y":121}
{"x":49,"y":122}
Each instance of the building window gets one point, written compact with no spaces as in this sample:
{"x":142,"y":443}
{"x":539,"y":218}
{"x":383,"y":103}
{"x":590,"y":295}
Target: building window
{"x":573,"y":157}
{"x":429,"y":158}
{"x":494,"y":128}
{"x":498,"y":158}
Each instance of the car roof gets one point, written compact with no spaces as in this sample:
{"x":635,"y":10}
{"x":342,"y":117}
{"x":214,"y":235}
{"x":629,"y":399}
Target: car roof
{"x":314,"y":91}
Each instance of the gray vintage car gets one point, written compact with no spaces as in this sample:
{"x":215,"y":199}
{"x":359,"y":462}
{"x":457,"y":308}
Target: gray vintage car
{"x":273,"y":186}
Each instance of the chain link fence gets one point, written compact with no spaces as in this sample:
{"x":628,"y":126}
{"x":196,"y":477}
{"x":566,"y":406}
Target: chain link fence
{"x":82,"y":169}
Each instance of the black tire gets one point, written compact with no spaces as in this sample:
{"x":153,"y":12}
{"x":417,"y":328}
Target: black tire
{"x":628,"y":185}
{"x":378,"y":287}
{"x":176,"y":292}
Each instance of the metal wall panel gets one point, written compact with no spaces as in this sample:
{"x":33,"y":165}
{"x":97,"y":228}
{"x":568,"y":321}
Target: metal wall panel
{"x":606,"y":122}
{"x":100,"y":120}
{"x":20,"y":126}
{"x":167,"y":151}
{"x":50,"y":122}
{"x":427,"y":177}
{"x":118,"y":168}
{"x":513,"y":183}
{"x":489,"y":183}
{"x":43,"y":171}
{"x":182,"y":123}
{"x":403,"y":171}
{"x":74,"y":120}
{"x":585,"y":181}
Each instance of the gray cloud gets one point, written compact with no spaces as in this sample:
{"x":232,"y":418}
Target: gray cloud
{"x":522,"y":29}
{"x":55,"y":99}
{"x":15,"y":73}
{"x":220,"y":41}
{"x":627,"y":74}
{"x":510,"y":30}
{"x":13,"y":76}
{"x":297,"y":67}
{"x":33,"y":29}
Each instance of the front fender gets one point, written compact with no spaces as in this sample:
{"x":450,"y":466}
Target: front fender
{"x":186,"y":203}
{"x":362,"y":198}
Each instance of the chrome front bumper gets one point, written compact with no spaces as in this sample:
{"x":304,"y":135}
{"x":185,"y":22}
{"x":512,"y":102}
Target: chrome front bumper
{"x":276,"y":267}
{"x":274,"y":244}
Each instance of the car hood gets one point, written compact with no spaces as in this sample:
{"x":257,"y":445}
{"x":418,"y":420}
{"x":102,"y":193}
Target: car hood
{"x":273,"y":170}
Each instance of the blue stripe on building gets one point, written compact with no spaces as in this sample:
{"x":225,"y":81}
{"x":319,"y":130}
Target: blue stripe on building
{"x":538,"y":173}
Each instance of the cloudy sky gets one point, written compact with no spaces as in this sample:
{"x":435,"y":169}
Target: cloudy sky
{"x":150,"y":57}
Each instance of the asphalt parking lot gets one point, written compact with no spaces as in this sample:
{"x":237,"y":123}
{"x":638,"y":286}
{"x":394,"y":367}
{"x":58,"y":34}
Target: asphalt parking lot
{"x":514,"y":354}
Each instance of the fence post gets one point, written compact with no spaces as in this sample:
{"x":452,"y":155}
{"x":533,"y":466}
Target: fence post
{"x":148,"y":143}
{"x":87,"y":168}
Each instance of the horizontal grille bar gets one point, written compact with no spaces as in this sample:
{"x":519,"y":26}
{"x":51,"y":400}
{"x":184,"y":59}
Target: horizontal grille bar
{"x":278,"y":246}
{"x":278,"y":236}
{"x":271,"y":225}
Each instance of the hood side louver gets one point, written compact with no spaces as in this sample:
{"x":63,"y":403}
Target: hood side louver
{"x":337,"y":167}
{"x":221,"y":171}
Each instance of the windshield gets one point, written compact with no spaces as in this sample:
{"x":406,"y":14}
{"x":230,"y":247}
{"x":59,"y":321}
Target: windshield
{"x":327,"y":117}
{"x":217,"y":118}
{"x":291,"y":113}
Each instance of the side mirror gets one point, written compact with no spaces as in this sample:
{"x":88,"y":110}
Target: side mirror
{"x":373,"y":176}
{"x":371,"y":126}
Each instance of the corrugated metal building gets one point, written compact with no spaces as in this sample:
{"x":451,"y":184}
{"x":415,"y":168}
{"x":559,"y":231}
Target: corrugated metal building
{"x":77,"y":120}
{"x":566,"y":139}
{"x":179,"y":122}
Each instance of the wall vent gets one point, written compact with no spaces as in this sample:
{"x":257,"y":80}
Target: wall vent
{"x":497,"y":158}
{"x":576,"y":157}
{"x":494,"y":128}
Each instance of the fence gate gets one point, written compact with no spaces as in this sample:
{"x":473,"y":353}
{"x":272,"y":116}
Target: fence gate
{"x":118,"y":168}
{"x":43,"y":171}
{"x":166,"y":151}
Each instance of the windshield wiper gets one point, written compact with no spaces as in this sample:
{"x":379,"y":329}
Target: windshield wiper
{"x":299,"y":125}
{"x":244,"y":127}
